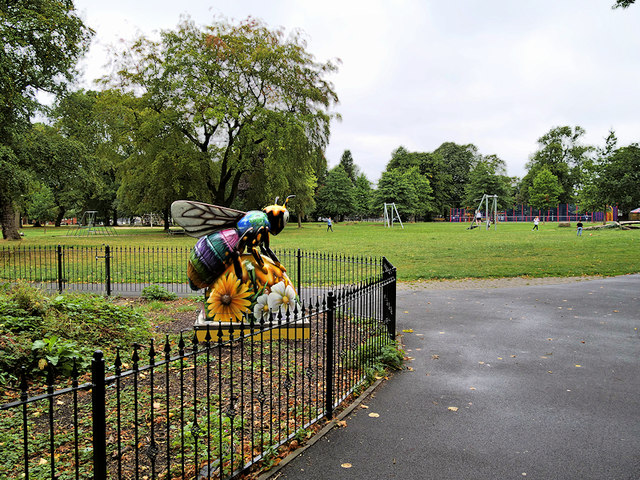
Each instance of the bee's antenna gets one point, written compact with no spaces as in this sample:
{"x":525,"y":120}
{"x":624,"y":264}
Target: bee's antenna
{"x":277,"y":198}
{"x":287,"y":199}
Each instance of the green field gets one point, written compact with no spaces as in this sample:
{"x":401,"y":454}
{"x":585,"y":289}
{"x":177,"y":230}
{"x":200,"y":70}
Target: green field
{"x":426,"y":250}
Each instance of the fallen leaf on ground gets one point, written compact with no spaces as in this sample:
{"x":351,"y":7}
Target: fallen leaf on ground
{"x":472,"y":388}
{"x":481,"y":363}
{"x":364,"y":406}
{"x":579,"y":366}
{"x":435,"y":357}
{"x":341,"y":424}
{"x":408,"y":330}
{"x":453,"y":409}
{"x":410,"y":369}
{"x":374,"y":415}
{"x":346,"y":465}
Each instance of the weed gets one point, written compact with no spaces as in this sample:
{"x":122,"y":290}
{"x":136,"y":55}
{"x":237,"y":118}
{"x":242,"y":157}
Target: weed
{"x":61,"y":354}
{"x":157,"y":292}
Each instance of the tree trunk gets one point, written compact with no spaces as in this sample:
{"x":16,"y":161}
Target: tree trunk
{"x":115,"y":217}
{"x":61,"y":212}
{"x":165,"y":217}
{"x":8,"y":220}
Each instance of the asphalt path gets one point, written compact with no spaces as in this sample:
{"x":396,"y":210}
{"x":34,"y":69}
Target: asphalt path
{"x":536,"y":382}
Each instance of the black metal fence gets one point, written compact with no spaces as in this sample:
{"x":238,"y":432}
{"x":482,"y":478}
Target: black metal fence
{"x":212,"y":407}
{"x":127,"y":270}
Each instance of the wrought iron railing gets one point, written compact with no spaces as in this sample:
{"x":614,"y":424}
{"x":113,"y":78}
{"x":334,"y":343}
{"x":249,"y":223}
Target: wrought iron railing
{"x":127,"y":270}
{"x":212,"y":407}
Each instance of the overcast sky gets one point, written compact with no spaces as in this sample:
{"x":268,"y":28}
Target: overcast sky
{"x":417,"y":73}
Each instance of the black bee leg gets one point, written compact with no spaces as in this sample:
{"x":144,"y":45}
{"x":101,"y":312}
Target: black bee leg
{"x":258,"y":259}
{"x":268,"y":252}
{"x":236,"y":264}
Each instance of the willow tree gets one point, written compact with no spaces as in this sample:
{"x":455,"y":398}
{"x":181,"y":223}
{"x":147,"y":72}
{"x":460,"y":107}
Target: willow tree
{"x":224,"y":86}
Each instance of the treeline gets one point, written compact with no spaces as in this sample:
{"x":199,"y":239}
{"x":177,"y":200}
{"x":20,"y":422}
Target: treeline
{"x":235,"y":115}
{"x":424,"y":185}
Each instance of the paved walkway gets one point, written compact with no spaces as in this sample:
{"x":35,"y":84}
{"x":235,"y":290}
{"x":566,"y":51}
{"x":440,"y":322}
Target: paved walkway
{"x":536,"y":382}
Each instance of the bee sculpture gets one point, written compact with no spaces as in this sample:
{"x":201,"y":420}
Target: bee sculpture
{"x":224,"y":234}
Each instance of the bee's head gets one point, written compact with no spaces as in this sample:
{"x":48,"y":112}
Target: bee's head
{"x":278,"y":215}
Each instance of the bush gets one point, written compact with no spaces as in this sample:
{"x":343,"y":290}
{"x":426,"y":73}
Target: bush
{"x":61,"y":353}
{"x":31,"y":299}
{"x":156,"y":292}
{"x":36,"y":329}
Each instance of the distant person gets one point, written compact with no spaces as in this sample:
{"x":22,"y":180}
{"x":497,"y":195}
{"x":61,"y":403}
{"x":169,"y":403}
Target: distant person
{"x":579,"y":228}
{"x":536,"y":221}
{"x":478,"y":217}
{"x":329,"y":224}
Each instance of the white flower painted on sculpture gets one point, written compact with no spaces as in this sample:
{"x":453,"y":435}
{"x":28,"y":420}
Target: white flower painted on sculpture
{"x":282,"y":298}
{"x":261,"y":308}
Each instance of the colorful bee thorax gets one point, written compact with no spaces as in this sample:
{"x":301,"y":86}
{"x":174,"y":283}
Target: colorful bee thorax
{"x":253,"y":219}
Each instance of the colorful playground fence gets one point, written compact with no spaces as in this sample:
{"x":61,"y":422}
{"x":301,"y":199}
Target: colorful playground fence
{"x":525,"y":213}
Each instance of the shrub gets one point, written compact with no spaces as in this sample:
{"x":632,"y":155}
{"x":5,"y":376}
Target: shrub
{"x":157,"y":292}
{"x":60,"y":353}
{"x":31,"y":299}
{"x":36,"y":329}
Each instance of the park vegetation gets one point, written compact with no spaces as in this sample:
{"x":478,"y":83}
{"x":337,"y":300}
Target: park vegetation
{"x":237,"y":114}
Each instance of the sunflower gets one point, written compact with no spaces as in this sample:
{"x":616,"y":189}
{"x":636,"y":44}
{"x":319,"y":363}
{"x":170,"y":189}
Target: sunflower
{"x":228,"y":299}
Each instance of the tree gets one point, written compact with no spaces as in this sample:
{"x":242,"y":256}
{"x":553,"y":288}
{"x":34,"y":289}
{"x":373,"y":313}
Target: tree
{"x":287,"y":165}
{"x":335,"y":198}
{"x":162,"y":168}
{"x":433,"y":168}
{"x":560,"y":152}
{"x":409,"y":190}
{"x":545,"y":191}
{"x":228,"y":89}
{"x":488,"y":176}
{"x":362,"y":196}
{"x":349,"y":167}
{"x":41,"y":205}
{"x":592,"y":196}
{"x":623,"y":3}
{"x":458,"y":161}
{"x":42,"y":41}
{"x":618,"y":179}
{"x":59,"y":163}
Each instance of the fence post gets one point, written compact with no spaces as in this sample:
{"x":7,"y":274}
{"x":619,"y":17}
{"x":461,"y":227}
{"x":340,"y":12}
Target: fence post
{"x":107,"y":268}
{"x":389,"y":296}
{"x":329,"y":356}
{"x":98,"y":411}
{"x":60,"y":280}
{"x":299,"y":271}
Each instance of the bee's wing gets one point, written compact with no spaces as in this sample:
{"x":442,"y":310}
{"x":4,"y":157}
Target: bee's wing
{"x":200,"y":219}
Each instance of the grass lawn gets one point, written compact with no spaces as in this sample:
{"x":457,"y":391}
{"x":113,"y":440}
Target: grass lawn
{"x":425,"y":250}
